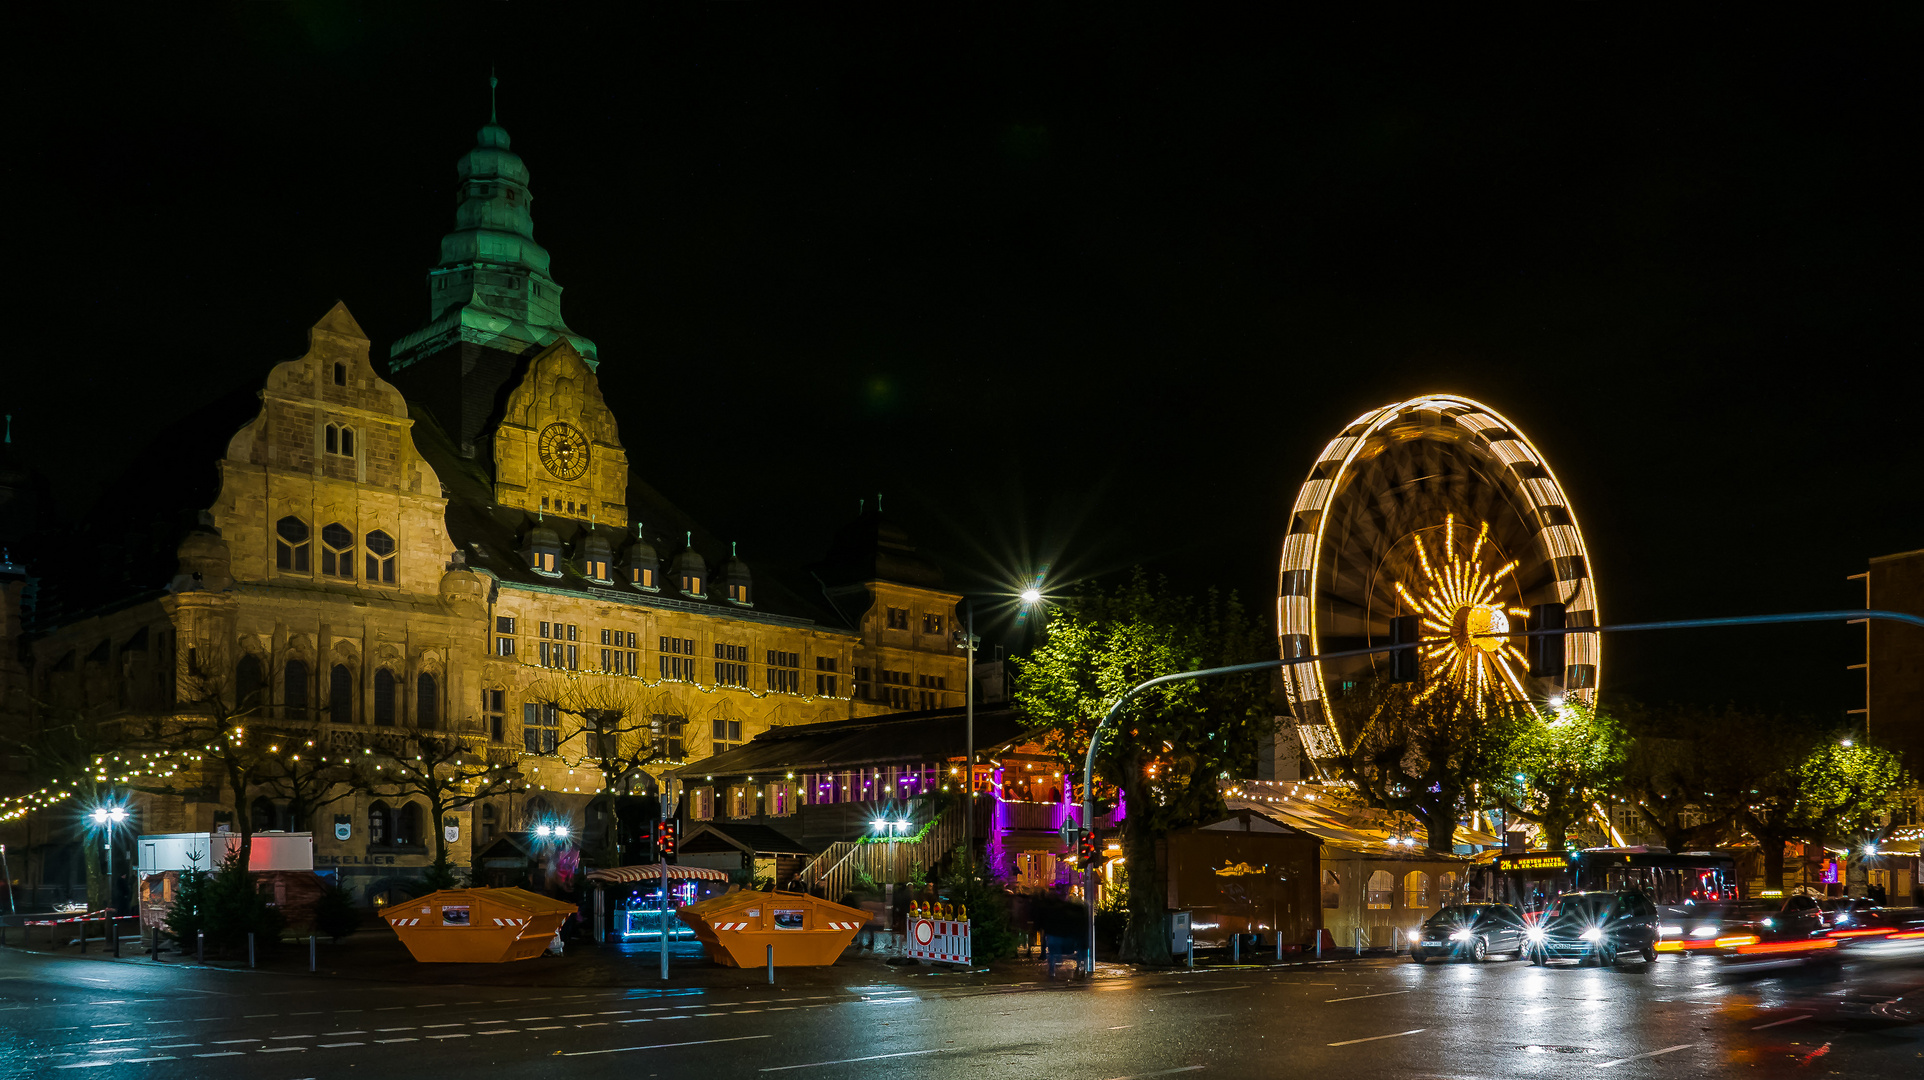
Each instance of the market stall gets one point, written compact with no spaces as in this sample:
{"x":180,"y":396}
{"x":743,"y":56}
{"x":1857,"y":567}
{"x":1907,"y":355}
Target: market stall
{"x":629,"y":901}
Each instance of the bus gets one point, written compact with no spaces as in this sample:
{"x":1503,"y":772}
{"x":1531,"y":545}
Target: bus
{"x":1532,"y":880}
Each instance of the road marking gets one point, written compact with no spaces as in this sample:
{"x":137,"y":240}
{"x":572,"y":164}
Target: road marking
{"x":116,"y":1001}
{"x":331,"y":1034}
{"x":137,"y":1061}
{"x":395,"y":1029}
{"x":87,"y":1064}
{"x":410,"y":1039}
{"x":848,"y":1061}
{"x":176,"y":1046}
{"x":1373,"y":1038}
{"x":520,"y":1019}
{"x":282,"y":1049}
{"x":1786,"y":1020}
{"x":597,"y":1023}
{"x":330,"y":1046}
{"x":431,"y":1027}
{"x":636,"y":1020}
{"x":665,"y":1046}
{"x":1360,"y":997}
{"x":1646,"y":1054}
{"x":1122,"y":1027}
{"x":1211,"y":990}
{"x":1165,"y":1072}
{"x":258,"y":1016}
{"x":461,"y":1035}
{"x":550,"y":1027}
{"x":503,"y":1031}
{"x":574,"y":1016}
{"x":223,"y":1053}
{"x":166,"y":1021}
{"x":615,"y":1012}
{"x":278,"y":1038}
{"x":230,"y":1042}
{"x":128,"y":1023}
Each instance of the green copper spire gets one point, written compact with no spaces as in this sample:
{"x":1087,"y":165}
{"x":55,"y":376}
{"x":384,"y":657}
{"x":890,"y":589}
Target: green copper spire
{"x":492,"y":286}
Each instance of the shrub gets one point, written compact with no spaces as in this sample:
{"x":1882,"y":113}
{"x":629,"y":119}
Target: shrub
{"x":234,"y":908}
{"x":335,"y":913}
{"x":188,"y":915}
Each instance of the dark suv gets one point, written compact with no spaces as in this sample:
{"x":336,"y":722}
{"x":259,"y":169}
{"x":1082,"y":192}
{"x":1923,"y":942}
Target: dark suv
{"x":1471,"y":931}
{"x":1585,"y":926}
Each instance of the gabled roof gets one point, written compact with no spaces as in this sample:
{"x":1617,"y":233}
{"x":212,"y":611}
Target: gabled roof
{"x":753,"y":839}
{"x":901,"y":738}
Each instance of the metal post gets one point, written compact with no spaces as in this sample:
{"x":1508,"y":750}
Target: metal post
{"x":83,"y":934}
{"x":250,"y":948}
{"x":113,"y":927}
{"x":1279,"y":946}
{"x":1359,"y":941}
{"x":968,"y":709}
{"x":312,"y":955}
{"x":200,"y":946}
{"x":1235,"y":948}
{"x":771,"y":965}
{"x":667,"y":806}
{"x":1192,"y":952}
{"x":1110,"y":718}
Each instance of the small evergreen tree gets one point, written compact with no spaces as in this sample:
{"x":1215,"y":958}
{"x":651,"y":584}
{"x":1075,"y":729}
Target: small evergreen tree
{"x":335,"y":913}
{"x":188,"y":915}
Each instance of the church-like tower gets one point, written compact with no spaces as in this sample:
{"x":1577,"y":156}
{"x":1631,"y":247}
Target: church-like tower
{"x":491,"y":300}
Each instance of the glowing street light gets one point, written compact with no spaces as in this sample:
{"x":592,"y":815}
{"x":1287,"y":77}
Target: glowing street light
{"x":1031,"y":596}
{"x":106,"y":818}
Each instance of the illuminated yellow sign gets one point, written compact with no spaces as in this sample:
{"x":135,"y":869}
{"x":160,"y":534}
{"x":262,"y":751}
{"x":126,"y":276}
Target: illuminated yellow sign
{"x":1536,"y":862}
{"x":1241,"y":869}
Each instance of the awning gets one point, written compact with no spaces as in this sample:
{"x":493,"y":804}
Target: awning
{"x":652,"y":872}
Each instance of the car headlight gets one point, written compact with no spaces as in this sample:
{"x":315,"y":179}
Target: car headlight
{"x":1460,"y":935}
{"x":1842,"y":919}
{"x":1704,"y":931}
{"x":1534,"y":933}
{"x":1592,"y":934}
{"x":1770,"y":922}
{"x":1668,"y":930}
{"x":1415,"y":935}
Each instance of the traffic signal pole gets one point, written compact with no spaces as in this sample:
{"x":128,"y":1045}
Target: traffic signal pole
{"x":1110,"y":718}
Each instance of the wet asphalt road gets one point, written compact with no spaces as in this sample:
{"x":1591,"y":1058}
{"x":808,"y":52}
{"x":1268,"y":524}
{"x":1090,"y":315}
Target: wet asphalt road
{"x":1678,"y":1017}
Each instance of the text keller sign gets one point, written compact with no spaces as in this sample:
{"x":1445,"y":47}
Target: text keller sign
{"x":942,"y":940}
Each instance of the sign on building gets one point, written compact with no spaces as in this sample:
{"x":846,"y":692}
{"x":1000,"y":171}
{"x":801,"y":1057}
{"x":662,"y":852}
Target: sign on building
{"x":945,"y":941}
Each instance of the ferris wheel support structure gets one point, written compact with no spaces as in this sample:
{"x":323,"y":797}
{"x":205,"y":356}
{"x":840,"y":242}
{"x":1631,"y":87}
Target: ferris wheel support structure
{"x":1110,"y":717}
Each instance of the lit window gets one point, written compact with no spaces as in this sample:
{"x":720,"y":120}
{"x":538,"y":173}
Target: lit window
{"x":931,"y":624}
{"x":337,"y":551}
{"x":642,"y":577}
{"x":290,"y":545}
{"x":540,"y":728}
{"x":738,"y":594}
{"x":784,"y":674}
{"x":380,"y":557}
{"x":691,"y":584}
{"x":598,"y":569}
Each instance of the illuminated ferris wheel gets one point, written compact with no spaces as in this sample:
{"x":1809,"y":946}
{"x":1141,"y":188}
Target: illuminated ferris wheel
{"x":1436,"y":507}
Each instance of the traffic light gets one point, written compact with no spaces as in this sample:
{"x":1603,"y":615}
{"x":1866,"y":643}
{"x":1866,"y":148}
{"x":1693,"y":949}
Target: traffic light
{"x":1406,"y":664}
{"x":665,"y":837}
{"x":1546,"y":652}
{"x":1086,"y":847}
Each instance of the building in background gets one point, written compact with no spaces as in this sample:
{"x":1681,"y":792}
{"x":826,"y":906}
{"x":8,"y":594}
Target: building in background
{"x":1893,"y":710}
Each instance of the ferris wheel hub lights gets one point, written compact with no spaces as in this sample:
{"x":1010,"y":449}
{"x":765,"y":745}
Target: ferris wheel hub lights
{"x":1479,"y":626}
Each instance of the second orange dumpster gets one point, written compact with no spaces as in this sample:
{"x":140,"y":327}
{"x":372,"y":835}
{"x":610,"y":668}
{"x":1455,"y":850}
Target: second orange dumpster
{"x":477,"y":926}
{"x":738,"y":926}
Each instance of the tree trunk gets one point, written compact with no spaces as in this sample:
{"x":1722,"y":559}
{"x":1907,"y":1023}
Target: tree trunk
{"x":1773,"y":847}
{"x":1439,"y":823}
{"x":243,"y":819}
{"x":1144,"y":938}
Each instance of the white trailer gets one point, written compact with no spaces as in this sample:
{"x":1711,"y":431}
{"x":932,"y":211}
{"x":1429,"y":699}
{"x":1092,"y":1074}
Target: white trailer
{"x":162,"y":852}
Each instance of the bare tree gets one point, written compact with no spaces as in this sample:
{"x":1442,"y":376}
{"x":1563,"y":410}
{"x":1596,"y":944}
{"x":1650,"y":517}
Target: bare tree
{"x":606,"y":726}
{"x":445,"y":773}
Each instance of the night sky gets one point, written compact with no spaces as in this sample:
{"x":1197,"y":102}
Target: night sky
{"x":1076,"y":284}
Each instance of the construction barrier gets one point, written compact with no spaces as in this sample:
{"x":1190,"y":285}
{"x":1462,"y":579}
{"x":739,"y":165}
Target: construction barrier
{"x":738,"y":927}
{"x":477,"y":926}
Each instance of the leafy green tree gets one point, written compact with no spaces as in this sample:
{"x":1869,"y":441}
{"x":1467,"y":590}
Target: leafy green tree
{"x":1422,"y":750}
{"x":1567,"y":764}
{"x":1680,"y":772}
{"x":1766,"y":753}
{"x":1175,"y":741}
{"x":1845,"y":789}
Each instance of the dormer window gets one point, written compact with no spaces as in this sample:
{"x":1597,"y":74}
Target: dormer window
{"x":642,"y":578}
{"x":738,"y":594}
{"x":598,"y":569}
{"x":543,"y":563}
{"x":691,"y":584}
{"x":544,"y":552}
{"x":340,"y":440}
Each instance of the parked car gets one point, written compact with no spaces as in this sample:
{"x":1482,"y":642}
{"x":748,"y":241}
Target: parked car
{"x":1468,"y":931}
{"x":1599,"y":926}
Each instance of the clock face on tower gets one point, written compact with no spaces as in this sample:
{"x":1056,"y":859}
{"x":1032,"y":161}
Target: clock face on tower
{"x":564,"y":451}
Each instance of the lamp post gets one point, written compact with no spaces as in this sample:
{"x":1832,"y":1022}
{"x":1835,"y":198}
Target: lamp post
{"x":968,"y":642}
{"x":106,"y":818}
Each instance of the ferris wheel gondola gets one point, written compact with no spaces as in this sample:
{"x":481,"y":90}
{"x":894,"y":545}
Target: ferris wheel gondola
{"x":1436,"y":507}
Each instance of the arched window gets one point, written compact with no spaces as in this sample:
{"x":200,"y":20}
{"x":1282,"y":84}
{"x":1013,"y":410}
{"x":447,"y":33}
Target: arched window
{"x":1446,"y":888}
{"x":261,"y":814}
{"x":339,"y":439}
{"x":487,"y":822}
{"x":427,"y":701}
{"x":380,"y":557}
{"x":294,"y":690}
{"x":248,"y":682}
{"x":1382,"y":891}
{"x":1416,"y":890}
{"x":290,"y":545}
{"x":340,"y":695}
{"x":384,"y":698}
{"x":377,"y":824}
{"x":337,"y":551}
{"x":1332,"y":889}
{"x":407,"y":826}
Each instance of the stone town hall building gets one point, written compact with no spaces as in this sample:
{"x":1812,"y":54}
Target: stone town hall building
{"x":438,"y":541}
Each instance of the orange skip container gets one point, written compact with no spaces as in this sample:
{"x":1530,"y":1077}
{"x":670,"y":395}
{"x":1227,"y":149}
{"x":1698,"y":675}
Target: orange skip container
{"x":738,"y":926}
{"x":477,"y":926}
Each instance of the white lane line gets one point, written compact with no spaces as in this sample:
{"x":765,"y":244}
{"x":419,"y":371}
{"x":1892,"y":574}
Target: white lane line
{"x":116,"y":1001}
{"x":176,"y":1046}
{"x":283,"y":1049}
{"x":280,"y":1038}
{"x":550,"y":1027}
{"x":395,"y":1029}
{"x":230,"y":1042}
{"x":664,"y":1046}
{"x":223,"y":1053}
{"x":166,"y":1021}
{"x":87,"y":1064}
{"x":383,"y":1041}
{"x":574,"y":1016}
{"x":520,"y":1019}
{"x":330,"y":1046}
{"x":258,"y":1016}
{"x":1373,"y":1038}
{"x":1360,"y":997}
{"x":461,"y":1035}
{"x":1646,"y":1054}
{"x":1211,"y":990}
{"x":745,"y":1012}
{"x":503,"y":1031}
{"x":1122,"y":1027}
{"x":431,"y":1027}
{"x":332,"y":1034}
{"x":1785,"y":1020}
{"x":637,"y":1020}
{"x":138,"y":1061}
{"x":615,"y":1012}
{"x":128,"y":1023}
{"x":848,"y":1061}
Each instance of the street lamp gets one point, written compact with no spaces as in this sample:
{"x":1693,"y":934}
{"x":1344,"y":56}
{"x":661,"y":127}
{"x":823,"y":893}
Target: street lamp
{"x":105,"y":818}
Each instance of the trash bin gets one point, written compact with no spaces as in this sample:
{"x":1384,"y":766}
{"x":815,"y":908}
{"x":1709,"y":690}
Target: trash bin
{"x":738,"y":926}
{"x":477,"y":926}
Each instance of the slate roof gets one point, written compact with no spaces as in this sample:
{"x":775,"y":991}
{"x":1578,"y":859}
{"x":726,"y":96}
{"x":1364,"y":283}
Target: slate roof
{"x":491,"y":538}
{"x":901,"y":738}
